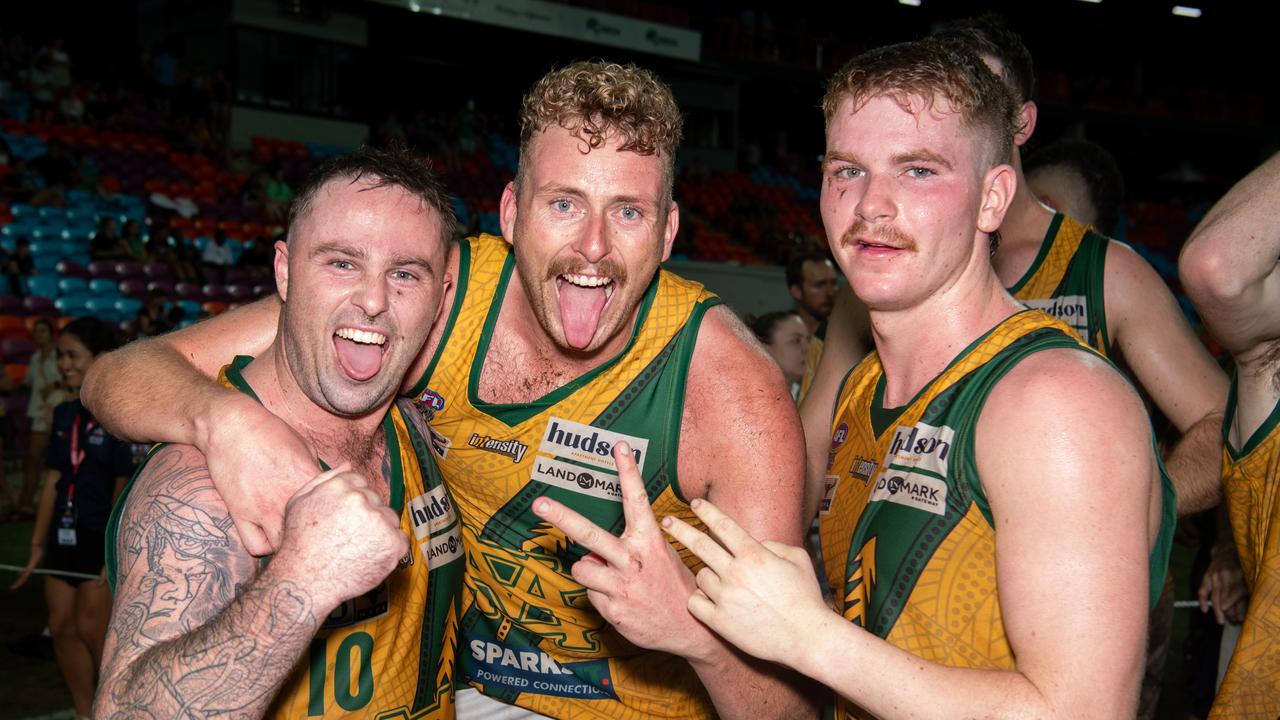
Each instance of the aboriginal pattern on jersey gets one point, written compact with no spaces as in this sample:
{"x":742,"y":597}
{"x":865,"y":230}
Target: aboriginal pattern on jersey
{"x":529,"y":636}
{"x":1251,"y":483}
{"x":1066,"y":280}
{"x":905,"y":527}
{"x":389,"y":653}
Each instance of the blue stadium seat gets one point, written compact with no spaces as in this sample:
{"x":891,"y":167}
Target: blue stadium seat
{"x":190,"y":309}
{"x":71,"y":304}
{"x":104,"y":286}
{"x":101,"y":307}
{"x":72,"y":286}
{"x":47,"y":262}
{"x":128,"y":307}
{"x":44,"y":285}
{"x":46,"y":247}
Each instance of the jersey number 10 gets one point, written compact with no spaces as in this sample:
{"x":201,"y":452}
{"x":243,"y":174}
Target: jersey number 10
{"x":342,"y":690}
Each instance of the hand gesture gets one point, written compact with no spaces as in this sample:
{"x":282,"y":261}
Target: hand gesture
{"x":33,"y":561}
{"x":248,"y":443}
{"x":1224,"y":585}
{"x":340,"y":539}
{"x":761,"y":596}
{"x":636,"y":581}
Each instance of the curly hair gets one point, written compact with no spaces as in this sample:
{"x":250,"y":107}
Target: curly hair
{"x":930,"y":71}
{"x":596,"y":101}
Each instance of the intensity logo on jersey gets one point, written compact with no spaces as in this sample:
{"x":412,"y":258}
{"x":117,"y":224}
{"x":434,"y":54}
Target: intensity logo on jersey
{"x":1070,"y":309}
{"x":513,"y":449}
{"x":863,"y":469}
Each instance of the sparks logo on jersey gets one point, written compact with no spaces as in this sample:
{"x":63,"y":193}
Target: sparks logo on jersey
{"x":429,"y":403}
{"x":911,"y":490}
{"x":588,"y":444}
{"x":513,"y":449}
{"x":839,"y":436}
{"x":863,"y":469}
{"x":829,"y":483}
{"x":922,"y":446}
{"x":529,"y":670}
{"x":1070,"y":309}
{"x":432,"y":512}
{"x":575,"y":478}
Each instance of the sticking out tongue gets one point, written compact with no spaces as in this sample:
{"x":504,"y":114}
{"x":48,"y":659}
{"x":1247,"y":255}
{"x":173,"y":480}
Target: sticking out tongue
{"x":580,"y":309}
{"x":360,"y":361}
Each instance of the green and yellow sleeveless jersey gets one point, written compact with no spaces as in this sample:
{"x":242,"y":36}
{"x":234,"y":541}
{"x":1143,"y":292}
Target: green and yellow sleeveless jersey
{"x":388,"y":653}
{"x":1066,"y":280}
{"x":905,"y":526}
{"x":1251,"y":484}
{"x":528,"y":635}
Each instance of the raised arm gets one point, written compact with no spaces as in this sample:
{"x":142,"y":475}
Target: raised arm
{"x":1174,"y":368}
{"x":131,"y":391}
{"x":848,"y":340}
{"x":195,"y":629}
{"x":1228,"y":266}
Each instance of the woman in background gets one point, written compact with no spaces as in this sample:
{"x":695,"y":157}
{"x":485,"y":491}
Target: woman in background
{"x":786,"y":337}
{"x":85,"y":469}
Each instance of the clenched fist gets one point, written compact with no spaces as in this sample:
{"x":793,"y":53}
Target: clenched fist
{"x":340,"y":539}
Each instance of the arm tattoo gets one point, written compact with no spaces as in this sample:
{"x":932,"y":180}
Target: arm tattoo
{"x":196,"y":631}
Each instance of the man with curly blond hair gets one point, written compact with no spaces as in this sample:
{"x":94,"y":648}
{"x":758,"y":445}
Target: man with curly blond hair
{"x":565,"y":350}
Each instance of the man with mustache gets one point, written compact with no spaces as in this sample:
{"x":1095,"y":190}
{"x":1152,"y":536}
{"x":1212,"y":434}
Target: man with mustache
{"x":996,"y":521}
{"x":562,"y":340}
{"x":365,"y":582}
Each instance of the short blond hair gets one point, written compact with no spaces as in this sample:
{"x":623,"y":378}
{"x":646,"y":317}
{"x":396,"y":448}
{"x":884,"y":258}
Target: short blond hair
{"x":932,"y":71}
{"x":596,"y":101}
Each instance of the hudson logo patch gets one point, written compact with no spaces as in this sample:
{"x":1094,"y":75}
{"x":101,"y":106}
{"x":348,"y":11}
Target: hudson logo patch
{"x":923,"y":446}
{"x":431,"y":512}
{"x":911,"y":490}
{"x":513,"y":449}
{"x":588,"y":444}
{"x":1070,"y":309}
{"x":575,"y":478}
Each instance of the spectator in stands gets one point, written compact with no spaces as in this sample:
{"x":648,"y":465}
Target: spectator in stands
{"x":218,"y":251}
{"x":1081,"y":179}
{"x":20,"y":265}
{"x":105,"y":244}
{"x":785,"y":335}
{"x":47,"y":387}
{"x":184,"y":262}
{"x":279,"y":195}
{"x":154,"y":317}
{"x":132,"y":242}
{"x":85,"y":470}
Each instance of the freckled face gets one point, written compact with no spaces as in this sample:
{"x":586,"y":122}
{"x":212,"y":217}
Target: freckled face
{"x":588,"y":230}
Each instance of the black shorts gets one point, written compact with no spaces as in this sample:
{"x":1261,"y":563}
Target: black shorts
{"x":87,"y":556}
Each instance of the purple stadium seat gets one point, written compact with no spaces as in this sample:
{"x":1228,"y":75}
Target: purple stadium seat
{"x":127,"y":269}
{"x":164,"y":287}
{"x":103,"y":268}
{"x":240,"y":292}
{"x":211,"y":274}
{"x":11,"y":305}
{"x":37,"y":305}
{"x":71,"y":268}
{"x":156,"y":271}
{"x":133,"y":287}
{"x":236,"y":276}
{"x":188,"y":291}
{"x":216,"y":292}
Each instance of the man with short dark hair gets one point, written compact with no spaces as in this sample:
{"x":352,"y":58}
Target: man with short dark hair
{"x":1079,"y":178}
{"x":366,"y":580}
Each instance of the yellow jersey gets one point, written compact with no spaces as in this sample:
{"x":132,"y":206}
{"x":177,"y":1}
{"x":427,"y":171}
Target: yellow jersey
{"x":529,"y":635}
{"x":1251,"y":484}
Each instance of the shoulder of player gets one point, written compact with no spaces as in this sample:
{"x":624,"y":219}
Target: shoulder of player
{"x":1132,"y":286}
{"x":726,"y":343}
{"x":1068,"y":398}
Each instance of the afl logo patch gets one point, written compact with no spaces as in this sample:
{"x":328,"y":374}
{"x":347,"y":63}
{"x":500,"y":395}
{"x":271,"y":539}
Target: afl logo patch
{"x":839,"y":436}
